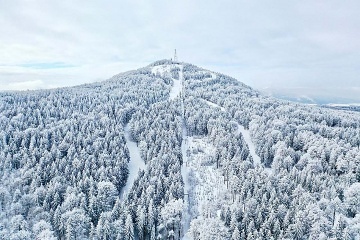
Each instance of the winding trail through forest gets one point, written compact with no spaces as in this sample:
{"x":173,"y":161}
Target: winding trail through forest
{"x":204,"y":185}
{"x":257,"y":160}
{"x":246,"y":134}
{"x":135,"y":164}
{"x":184,"y":146}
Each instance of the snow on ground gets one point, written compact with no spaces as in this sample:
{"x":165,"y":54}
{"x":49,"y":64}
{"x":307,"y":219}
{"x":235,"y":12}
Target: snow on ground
{"x":135,"y":164}
{"x":176,"y":89}
{"x":177,"y":86}
{"x":161,"y":69}
{"x":165,"y":69}
{"x":206,"y":189}
{"x":246,"y":134}
{"x":214,"y":105}
{"x":185,"y":173}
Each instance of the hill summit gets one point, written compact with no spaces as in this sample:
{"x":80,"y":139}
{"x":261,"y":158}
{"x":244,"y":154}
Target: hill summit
{"x":174,"y":151}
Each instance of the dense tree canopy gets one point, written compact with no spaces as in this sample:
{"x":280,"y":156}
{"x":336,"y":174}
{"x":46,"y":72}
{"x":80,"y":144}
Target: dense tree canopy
{"x":64,"y":161}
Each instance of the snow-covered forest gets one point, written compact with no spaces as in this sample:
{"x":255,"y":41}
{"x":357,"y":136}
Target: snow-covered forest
{"x":173,"y":151}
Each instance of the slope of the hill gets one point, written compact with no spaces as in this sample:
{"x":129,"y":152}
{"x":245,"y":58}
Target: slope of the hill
{"x":218,"y":161}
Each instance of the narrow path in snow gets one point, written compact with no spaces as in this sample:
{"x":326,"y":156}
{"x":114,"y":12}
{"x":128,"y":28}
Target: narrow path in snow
{"x":246,"y":134}
{"x":208,"y":192}
{"x":135,"y":164}
{"x":214,"y":105}
{"x":186,"y":219}
{"x":177,"y":86}
{"x":204,"y":185}
{"x":257,"y":160}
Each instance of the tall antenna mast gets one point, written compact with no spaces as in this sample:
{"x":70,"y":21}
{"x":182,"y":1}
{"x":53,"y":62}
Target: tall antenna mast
{"x":175,"y":57}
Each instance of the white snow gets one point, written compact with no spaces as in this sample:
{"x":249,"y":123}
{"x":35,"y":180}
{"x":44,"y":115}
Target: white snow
{"x":343,"y":104}
{"x":175,"y":90}
{"x":205,"y":184}
{"x":214,"y":105}
{"x":165,"y":69}
{"x":161,"y":69}
{"x":177,"y":87}
{"x":246,"y":134}
{"x":135,"y":164}
{"x":186,"y":219}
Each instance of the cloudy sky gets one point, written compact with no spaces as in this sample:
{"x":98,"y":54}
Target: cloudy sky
{"x":297,"y":47}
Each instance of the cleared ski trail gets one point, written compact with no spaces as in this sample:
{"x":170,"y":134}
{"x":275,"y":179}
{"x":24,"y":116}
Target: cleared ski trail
{"x":257,"y":160}
{"x":176,"y":89}
{"x":214,"y":105}
{"x":246,"y":135}
{"x":205,"y":187}
{"x":208,"y":192}
{"x":135,"y":164}
{"x":177,"y":83}
{"x":186,"y":219}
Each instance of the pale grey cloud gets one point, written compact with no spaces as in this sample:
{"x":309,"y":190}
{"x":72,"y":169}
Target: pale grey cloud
{"x":266,"y":44}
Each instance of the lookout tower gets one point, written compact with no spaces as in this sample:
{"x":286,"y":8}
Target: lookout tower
{"x":175,"y":57}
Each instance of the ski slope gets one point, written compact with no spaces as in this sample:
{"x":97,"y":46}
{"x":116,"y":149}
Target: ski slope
{"x":257,"y":160}
{"x":205,"y":188}
{"x":177,"y":85}
{"x":246,"y":134}
{"x":185,"y":175}
{"x":135,"y":164}
{"x":205,"y":185}
{"x":186,"y":219}
{"x":214,"y":105}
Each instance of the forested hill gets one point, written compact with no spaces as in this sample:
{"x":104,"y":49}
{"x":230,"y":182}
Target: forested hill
{"x":173,"y":151}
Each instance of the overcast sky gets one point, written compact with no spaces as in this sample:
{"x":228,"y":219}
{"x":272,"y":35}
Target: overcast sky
{"x":309,"y":46}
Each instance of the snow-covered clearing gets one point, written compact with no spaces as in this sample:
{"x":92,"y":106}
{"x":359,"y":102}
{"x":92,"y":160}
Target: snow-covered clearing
{"x":177,"y":84}
{"x":206,"y":188}
{"x":246,"y":134}
{"x":185,"y":173}
{"x":175,"y":90}
{"x":161,"y":69}
{"x":135,"y":164}
{"x":214,"y":105}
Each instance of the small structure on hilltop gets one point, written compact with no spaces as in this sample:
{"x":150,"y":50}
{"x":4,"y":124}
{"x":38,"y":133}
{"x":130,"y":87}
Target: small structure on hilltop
{"x":175,"y":57}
